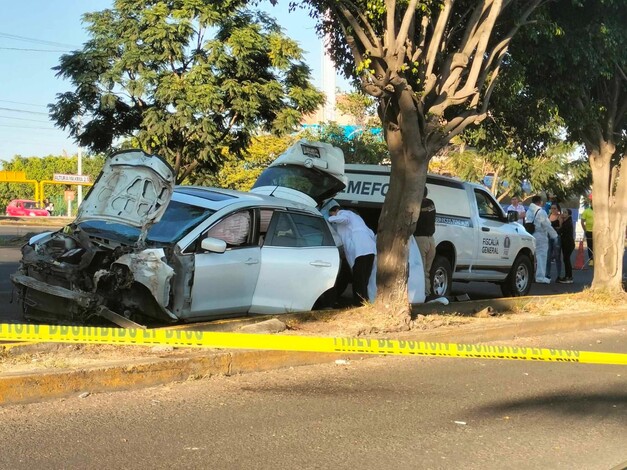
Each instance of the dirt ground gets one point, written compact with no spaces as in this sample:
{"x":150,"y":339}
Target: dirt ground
{"x":368,"y":321}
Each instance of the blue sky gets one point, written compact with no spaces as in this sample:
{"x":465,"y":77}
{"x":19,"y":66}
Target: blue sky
{"x":27,"y":81}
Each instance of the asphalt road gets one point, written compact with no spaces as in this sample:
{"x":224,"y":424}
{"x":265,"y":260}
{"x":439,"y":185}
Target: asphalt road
{"x":386,"y":412}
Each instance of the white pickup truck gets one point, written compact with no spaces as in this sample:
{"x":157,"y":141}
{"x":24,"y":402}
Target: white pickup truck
{"x":475,"y":239}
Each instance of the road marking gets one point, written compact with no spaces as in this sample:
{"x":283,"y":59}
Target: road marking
{"x":214,"y":340}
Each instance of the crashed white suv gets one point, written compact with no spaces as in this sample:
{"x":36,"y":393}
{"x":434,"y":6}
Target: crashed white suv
{"x":142,"y":250}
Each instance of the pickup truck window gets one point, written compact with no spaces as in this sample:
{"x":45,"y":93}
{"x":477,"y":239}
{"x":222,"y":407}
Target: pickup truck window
{"x":488,"y":208}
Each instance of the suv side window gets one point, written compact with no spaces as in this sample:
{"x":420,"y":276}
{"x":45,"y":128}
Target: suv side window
{"x":313,"y":231}
{"x":298,"y":230}
{"x":234,"y":229}
{"x":282,"y":231}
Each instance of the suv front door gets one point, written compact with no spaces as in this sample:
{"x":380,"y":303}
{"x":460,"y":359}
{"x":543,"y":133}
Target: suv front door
{"x":225,"y":282}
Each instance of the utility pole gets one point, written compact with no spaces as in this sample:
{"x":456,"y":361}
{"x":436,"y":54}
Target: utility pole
{"x":80,"y":167}
{"x":80,"y":172}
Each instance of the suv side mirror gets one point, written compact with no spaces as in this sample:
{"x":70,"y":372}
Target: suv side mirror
{"x":512,"y":216}
{"x":215,"y":245}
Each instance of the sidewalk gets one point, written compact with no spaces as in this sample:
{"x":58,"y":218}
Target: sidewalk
{"x":38,"y":372}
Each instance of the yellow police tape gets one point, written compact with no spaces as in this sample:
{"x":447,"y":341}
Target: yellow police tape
{"x":205,"y":339}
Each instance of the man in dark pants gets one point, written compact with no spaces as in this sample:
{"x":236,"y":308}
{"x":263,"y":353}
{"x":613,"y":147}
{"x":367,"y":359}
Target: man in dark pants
{"x":425,"y":228}
{"x":359,"y":248}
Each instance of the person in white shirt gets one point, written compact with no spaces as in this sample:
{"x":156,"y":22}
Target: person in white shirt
{"x":516,"y":206}
{"x":359,"y":247}
{"x":543,"y":231}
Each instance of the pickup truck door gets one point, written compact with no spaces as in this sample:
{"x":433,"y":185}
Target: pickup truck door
{"x":494,"y":253}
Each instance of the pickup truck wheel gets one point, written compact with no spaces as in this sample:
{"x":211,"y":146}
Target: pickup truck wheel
{"x":441,"y":276}
{"x":518,"y":281}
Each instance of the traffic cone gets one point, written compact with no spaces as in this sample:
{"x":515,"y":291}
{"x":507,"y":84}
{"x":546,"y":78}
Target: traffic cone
{"x":579,"y":260}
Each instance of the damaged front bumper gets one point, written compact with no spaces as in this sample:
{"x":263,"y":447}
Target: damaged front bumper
{"x":83,"y":300}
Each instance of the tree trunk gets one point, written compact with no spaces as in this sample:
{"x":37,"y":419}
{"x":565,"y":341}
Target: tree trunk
{"x":401,"y":208}
{"x":609,"y":202}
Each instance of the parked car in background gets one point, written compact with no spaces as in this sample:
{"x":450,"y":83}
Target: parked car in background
{"x":25,"y":208}
{"x":142,"y":250}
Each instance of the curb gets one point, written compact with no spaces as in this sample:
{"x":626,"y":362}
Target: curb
{"x":33,"y":387}
{"x":40,"y":221}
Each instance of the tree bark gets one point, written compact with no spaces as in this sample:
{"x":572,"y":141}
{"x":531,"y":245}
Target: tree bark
{"x":609,"y":202}
{"x":410,"y":160}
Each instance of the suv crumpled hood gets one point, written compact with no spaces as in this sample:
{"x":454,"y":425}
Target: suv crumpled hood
{"x":134,"y":188}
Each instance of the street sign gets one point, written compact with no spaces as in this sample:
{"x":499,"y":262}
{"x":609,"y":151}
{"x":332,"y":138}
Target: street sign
{"x":69,"y":195}
{"x":62,"y":178}
{"x":13,"y":176}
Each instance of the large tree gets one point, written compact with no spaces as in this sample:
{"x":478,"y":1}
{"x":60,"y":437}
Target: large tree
{"x":580,"y":63}
{"x":432,"y":66}
{"x":191,"y":80}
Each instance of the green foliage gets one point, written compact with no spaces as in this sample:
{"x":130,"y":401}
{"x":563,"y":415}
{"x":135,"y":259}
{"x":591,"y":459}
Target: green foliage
{"x":361,"y":107}
{"x":579,"y":63}
{"x":148,"y":72}
{"x":363,"y":146}
{"x":242,"y":172}
{"x":41,"y":169}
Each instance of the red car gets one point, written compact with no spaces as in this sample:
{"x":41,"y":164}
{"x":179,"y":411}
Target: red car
{"x":25,"y":208}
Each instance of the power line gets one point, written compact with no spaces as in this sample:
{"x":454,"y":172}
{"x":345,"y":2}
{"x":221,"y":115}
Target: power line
{"x":30,"y":127}
{"x":15,"y":37}
{"x":23,"y":111}
{"x":21,"y":119}
{"x":29,"y":50}
{"x":25,"y":104}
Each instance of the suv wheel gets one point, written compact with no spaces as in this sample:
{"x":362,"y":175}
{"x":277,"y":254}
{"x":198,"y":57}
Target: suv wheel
{"x":441,"y":276}
{"x":518,"y":281}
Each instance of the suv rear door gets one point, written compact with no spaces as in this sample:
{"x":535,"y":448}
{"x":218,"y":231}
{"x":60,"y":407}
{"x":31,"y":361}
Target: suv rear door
{"x":298,"y":257}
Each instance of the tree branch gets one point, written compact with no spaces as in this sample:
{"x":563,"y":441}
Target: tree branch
{"x":408,"y":20}
{"x":457,"y":125}
{"x":359,"y":31}
{"x":612,"y":108}
{"x":390,"y":24}
{"x":436,"y":38}
{"x":482,"y":39}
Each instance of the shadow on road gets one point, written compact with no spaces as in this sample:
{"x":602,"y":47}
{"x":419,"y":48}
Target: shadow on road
{"x":568,"y":403}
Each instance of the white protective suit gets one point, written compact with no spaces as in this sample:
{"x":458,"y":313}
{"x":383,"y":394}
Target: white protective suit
{"x":353,"y":248}
{"x":357,"y":238}
{"x":415,"y":281}
{"x":543,"y":232}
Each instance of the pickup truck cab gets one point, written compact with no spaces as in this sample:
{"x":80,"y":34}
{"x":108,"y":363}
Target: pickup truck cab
{"x":475,"y":239}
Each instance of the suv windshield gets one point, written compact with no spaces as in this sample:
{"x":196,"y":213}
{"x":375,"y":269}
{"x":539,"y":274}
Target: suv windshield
{"x":177,"y":221}
{"x":311,"y":181}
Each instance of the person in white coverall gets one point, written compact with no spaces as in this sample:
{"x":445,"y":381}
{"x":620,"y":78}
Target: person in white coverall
{"x":538,"y":216}
{"x":359,"y":247}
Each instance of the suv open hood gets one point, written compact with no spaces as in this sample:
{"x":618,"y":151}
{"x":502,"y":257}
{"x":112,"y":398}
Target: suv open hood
{"x":133,"y":188}
{"x":309,"y":172}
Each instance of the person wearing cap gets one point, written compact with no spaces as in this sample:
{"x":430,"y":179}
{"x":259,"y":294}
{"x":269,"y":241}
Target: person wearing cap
{"x":359,"y":247}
